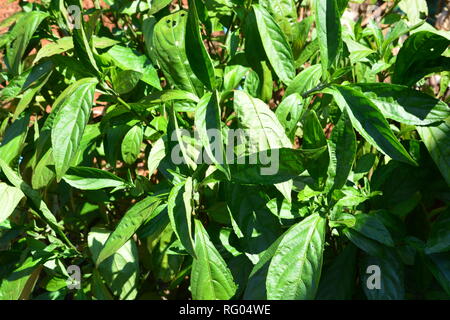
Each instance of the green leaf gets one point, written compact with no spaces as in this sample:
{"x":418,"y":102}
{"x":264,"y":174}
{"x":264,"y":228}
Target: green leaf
{"x":413,"y":9}
{"x":437,"y":142}
{"x":300,"y":36}
{"x":396,"y":32}
{"x":358,"y":52}
{"x":59,"y":46}
{"x":29,"y":94}
{"x":439,"y":265}
{"x":103,"y":42}
{"x":121,"y":270}
{"x":125,"y":81}
{"x":289,"y":112}
{"x":405,"y":105}
{"x":254,"y":224}
{"x":127,"y":59}
{"x":180,"y":207}
{"x":342,"y":152}
{"x":372,"y":227}
{"x":43,"y":170}
{"x":256,"y":286}
{"x":328,"y":32}
{"x":14,"y":139}
{"x":99,"y":289}
{"x":169,"y":42}
{"x":254,"y":49}
{"x":88,"y":142}
{"x":148,"y":27}
{"x":156,"y":225}
{"x":36,"y":201}
{"x":14,"y":286}
{"x":10,"y":198}
{"x":86,"y":178}
{"x":143,"y":211}
{"x":168,"y":96}
{"x":439,"y":239}
{"x":233,"y":75}
{"x":177,"y":144}
{"x":208,"y":125}
{"x":342,"y":5}
{"x":262,"y":129}
{"x":285,"y":14}
{"x":373,"y":28}
{"x":210,"y":277}
{"x":340,"y":218}
{"x":275,"y":45}
{"x":196,"y":53}
{"x":305,"y":80}
{"x":266,"y":85}
{"x":284,"y":164}
{"x":157,"y":5}
{"x":252,"y":83}
{"x":84,"y":49}
{"x":295,"y":268}
{"x":419,"y":56}
{"x":369,"y":246}
{"x":9,"y":21}
{"x":131,"y":144}
{"x":369,"y":122}
{"x":353,"y":197}
{"x":71,"y":114}
{"x":307,"y":53}
{"x":71,"y":67}
{"x":314,"y":138}
{"x":26,"y":80}
{"x":157,"y":153}
{"x":22,"y":32}
{"x":338,"y":280}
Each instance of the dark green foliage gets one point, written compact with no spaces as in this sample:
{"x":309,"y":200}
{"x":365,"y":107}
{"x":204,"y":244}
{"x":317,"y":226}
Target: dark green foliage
{"x":223,"y":151}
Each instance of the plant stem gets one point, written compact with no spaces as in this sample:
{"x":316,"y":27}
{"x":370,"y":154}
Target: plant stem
{"x":315,"y":89}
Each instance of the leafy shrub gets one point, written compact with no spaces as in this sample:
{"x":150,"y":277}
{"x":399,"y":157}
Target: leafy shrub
{"x":110,"y":172}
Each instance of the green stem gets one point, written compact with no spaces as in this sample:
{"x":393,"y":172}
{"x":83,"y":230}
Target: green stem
{"x":126,"y":105}
{"x":315,"y":89}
